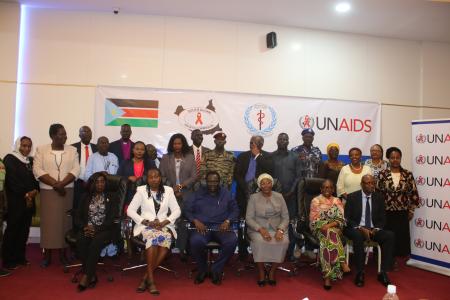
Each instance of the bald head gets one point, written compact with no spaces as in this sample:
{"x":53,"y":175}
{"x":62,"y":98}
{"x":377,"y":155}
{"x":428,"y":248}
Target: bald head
{"x":368,"y":184}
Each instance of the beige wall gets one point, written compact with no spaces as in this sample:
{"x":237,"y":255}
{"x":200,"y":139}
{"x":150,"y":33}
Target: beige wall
{"x":9,"y":42}
{"x":70,"y":53}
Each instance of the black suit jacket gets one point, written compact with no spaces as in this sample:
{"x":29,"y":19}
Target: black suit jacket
{"x":78,"y":146}
{"x":264,"y":164}
{"x":116,"y":148}
{"x":353,"y":210}
{"x":204,"y":150}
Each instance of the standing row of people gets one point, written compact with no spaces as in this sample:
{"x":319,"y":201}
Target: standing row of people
{"x":58,"y":165}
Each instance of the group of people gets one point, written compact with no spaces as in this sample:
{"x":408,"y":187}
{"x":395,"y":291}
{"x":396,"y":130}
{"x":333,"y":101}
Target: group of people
{"x":362,"y":201}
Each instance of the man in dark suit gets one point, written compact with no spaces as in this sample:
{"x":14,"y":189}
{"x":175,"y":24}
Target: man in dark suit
{"x":122,"y":148}
{"x":197,"y":149}
{"x":249,"y":165}
{"x":85,"y":149}
{"x":365,"y":215}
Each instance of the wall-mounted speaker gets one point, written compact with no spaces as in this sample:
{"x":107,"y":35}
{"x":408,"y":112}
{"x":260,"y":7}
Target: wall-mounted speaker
{"x":271,"y":40}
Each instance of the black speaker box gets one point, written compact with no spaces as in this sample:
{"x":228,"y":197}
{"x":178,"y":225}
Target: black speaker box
{"x":271,"y":40}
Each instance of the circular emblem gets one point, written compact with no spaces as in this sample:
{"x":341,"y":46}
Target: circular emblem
{"x":420,"y":138}
{"x":419,"y":243}
{"x":420,"y":180}
{"x":306,"y":121}
{"x":198,"y":118}
{"x":260,"y":119}
{"x":421,"y":201}
{"x":419,"y":222}
{"x":420,"y":159}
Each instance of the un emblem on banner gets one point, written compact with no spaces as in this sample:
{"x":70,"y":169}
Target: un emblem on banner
{"x":260,"y":119}
{"x":306,"y":121}
{"x":421,"y":138}
{"x":420,"y":180}
{"x":420,"y":159}
{"x":421,"y":201}
{"x":419,"y":243}
{"x":419,"y":222}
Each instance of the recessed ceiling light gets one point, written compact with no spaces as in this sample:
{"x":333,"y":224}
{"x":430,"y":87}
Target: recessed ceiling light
{"x":343,"y":7}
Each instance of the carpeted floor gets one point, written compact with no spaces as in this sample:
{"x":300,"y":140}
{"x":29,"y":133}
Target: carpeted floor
{"x":33,"y":282}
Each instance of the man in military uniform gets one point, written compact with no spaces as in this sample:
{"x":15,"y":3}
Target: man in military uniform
{"x":219,"y":160}
{"x":310,"y":156}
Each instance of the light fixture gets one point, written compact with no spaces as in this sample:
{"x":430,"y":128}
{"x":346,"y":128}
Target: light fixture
{"x":343,"y":7}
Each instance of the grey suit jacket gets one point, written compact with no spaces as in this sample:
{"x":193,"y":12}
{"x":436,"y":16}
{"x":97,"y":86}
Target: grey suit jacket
{"x":256,"y":213}
{"x":188,"y":170}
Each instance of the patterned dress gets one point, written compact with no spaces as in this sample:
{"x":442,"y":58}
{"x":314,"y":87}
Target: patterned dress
{"x":400,"y":200}
{"x":155,"y":237}
{"x":331,"y":251}
{"x":376,"y":168}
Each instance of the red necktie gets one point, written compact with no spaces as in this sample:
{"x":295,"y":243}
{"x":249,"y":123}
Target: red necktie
{"x":198,"y":161}
{"x":86,"y":150}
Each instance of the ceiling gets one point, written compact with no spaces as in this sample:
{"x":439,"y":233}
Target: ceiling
{"x":406,"y":19}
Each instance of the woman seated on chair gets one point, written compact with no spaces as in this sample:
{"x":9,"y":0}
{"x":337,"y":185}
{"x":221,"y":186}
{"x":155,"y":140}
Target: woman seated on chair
{"x":267,"y":220}
{"x":326,"y":221}
{"x":95,"y":219}
{"x":154,"y":223}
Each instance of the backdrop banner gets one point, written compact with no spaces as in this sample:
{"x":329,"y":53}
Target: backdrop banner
{"x":156,"y":114}
{"x":430,"y":231}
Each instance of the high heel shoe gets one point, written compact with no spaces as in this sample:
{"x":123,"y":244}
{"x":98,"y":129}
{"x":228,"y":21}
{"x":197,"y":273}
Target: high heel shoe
{"x":152,"y":289}
{"x":327,"y":284}
{"x":143,"y":286}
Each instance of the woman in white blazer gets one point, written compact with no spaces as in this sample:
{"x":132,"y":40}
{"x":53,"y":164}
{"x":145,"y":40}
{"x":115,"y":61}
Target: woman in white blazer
{"x":159,"y":211}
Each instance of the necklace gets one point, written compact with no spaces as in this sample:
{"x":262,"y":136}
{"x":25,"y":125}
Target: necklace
{"x":355,"y":168}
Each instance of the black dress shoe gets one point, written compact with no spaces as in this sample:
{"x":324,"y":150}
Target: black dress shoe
{"x":216,"y":278}
{"x":200,"y":277}
{"x":81,"y":288}
{"x":327,"y":287}
{"x":359,"y":279}
{"x":93,"y":282}
{"x":383,"y":278}
{"x":261,"y":283}
{"x":272,"y":282}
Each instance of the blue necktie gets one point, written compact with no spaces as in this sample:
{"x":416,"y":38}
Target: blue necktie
{"x":368,"y":215}
{"x":251,"y":171}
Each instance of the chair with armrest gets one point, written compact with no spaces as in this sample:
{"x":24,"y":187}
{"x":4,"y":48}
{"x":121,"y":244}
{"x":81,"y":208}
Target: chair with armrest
{"x":116,"y":188}
{"x":137,"y":245}
{"x":307,"y":189}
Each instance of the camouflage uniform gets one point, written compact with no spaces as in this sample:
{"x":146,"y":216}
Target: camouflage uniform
{"x":223,"y":163}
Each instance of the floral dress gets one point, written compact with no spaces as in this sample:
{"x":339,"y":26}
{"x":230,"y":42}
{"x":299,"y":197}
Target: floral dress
{"x":323,"y":211}
{"x":155,"y":237}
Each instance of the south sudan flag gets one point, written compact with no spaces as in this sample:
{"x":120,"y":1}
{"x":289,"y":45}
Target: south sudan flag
{"x":136,"y":113}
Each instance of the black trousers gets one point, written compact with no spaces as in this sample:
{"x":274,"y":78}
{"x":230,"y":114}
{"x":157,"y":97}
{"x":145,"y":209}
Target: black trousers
{"x":89,"y":249}
{"x":17,"y":230}
{"x":384,"y":238}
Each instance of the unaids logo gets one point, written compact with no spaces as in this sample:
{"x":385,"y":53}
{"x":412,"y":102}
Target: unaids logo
{"x":422,"y":201}
{"x":419,"y":222}
{"x":260,"y":119}
{"x":306,"y":121}
{"x":420,"y":180}
{"x":419,"y":243}
{"x":420,"y":159}
{"x":421,"y":138}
